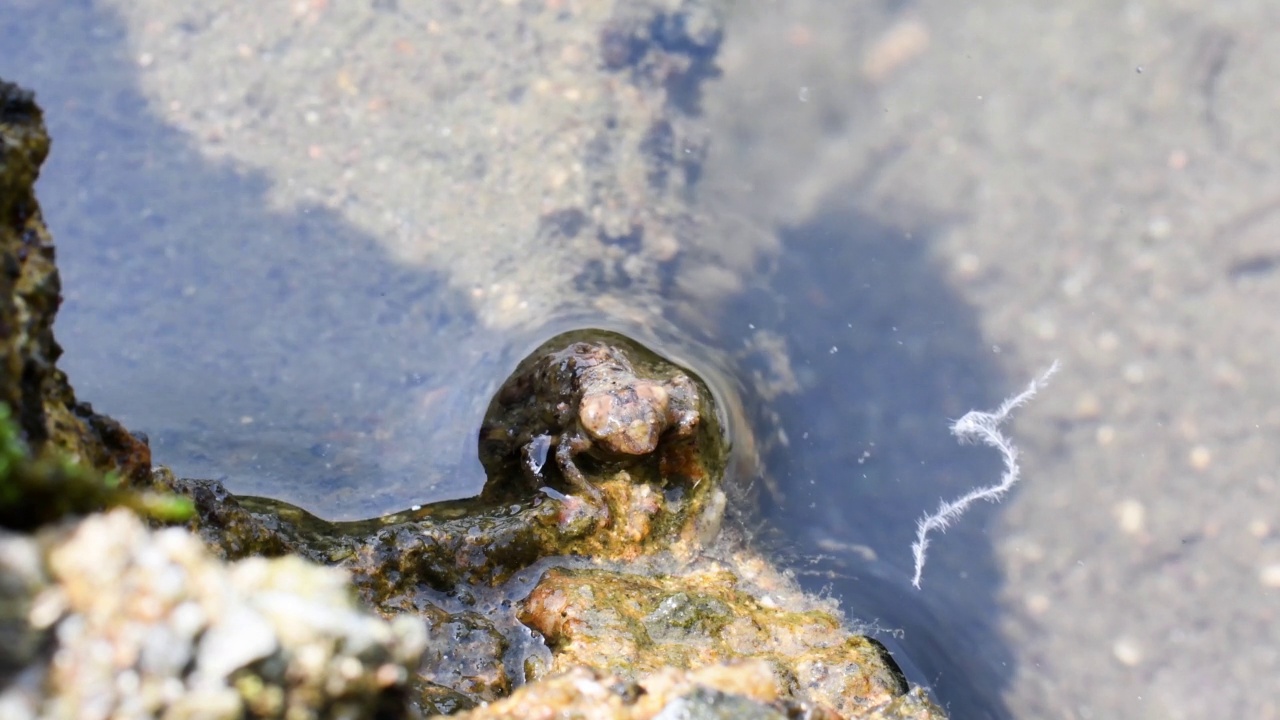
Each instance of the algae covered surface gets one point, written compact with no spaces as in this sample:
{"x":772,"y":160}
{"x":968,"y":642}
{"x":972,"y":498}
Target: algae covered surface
{"x":529,"y":583}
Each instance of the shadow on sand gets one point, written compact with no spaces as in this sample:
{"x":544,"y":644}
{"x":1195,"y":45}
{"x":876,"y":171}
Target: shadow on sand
{"x":260,"y":347}
{"x":886,"y":355}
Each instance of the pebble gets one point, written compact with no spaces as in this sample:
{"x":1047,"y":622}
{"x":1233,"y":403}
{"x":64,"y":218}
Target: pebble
{"x":1134,"y":373}
{"x":967,"y":266}
{"x":1088,"y":407}
{"x":901,"y":43}
{"x":1269,"y":575}
{"x":1127,"y":651}
{"x":1159,"y":227}
{"x":1131,"y":515}
{"x":1200,"y":458}
{"x":1037,"y":604}
{"x":1105,"y":435}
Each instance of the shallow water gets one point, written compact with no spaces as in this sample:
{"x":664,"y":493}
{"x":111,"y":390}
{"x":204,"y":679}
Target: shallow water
{"x":280,"y":346}
{"x":285,"y":352}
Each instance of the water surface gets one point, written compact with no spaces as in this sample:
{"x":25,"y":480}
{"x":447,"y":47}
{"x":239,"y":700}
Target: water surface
{"x":285,"y":352}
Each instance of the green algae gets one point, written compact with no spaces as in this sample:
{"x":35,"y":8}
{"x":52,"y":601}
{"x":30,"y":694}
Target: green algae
{"x":44,"y":487}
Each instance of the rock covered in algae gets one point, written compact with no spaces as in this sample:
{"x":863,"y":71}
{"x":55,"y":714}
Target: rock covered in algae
{"x":631,"y":624}
{"x":149,"y":624}
{"x":592,"y":396}
{"x":45,"y":413}
{"x":530,"y":583}
{"x":748,"y":690}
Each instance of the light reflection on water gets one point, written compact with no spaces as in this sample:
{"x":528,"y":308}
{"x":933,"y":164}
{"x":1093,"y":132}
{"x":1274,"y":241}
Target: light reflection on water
{"x":288,"y":355}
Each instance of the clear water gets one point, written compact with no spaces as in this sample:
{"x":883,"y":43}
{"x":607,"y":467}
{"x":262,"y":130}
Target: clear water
{"x":288,"y":355}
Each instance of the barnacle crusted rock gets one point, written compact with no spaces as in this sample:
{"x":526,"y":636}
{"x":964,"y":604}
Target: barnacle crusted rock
{"x":150,"y":624}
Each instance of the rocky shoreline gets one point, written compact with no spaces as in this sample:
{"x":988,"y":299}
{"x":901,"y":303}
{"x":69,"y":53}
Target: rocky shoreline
{"x":534,"y":605}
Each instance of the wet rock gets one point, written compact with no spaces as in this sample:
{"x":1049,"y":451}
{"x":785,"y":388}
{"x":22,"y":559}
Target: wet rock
{"x":463,"y":658}
{"x":664,"y":499}
{"x":629,"y":593}
{"x":629,"y":624}
{"x":749,"y":689}
{"x":591,"y":393}
{"x":228,"y":528}
{"x":37,"y":396}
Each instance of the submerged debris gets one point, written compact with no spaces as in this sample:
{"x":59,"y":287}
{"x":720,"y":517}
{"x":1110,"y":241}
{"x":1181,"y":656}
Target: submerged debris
{"x":983,"y":427}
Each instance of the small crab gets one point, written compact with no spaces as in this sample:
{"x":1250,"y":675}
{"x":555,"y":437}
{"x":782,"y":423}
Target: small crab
{"x":585,"y":397}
